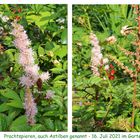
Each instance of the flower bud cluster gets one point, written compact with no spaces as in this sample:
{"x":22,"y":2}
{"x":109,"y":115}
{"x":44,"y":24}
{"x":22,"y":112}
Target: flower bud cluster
{"x":97,"y":59}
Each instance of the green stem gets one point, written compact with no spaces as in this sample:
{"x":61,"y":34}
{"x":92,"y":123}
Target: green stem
{"x":110,"y":102}
{"x":88,"y":20}
{"x":110,"y":86}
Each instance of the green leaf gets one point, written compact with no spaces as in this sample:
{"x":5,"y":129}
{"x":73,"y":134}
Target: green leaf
{"x":40,"y":19}
{"x":8,"y":93}
{"x":50,"y":113}
{"x":41,"y":51}
{"x":15,"y":103}
{"x":62,"y":52}
{"x":9,"y":52}
{"x":60,"y":77}
{"x":65,"y":65}
{"x":64,"y":37}
{"x":22,"y":95}
{"x":49,"y":45}
{"x":58,"y":125}
{"x":57,"y":70}
{"x":37,"y":127}
{"x":123,"y":58}
{"x":94,"y":80}
{"x":101,"y":113}
{"x":7,"y":41}
{"x":59,"y":83}
{"x":11,"y":116}
{"x":20,"y":124}
{"x":49,"y":124}
{"x":3,"y":107}
{"x":24,"y":22}
{"x":58,"y":100}
{"x":3,"y":122}
{"x":137,"y":121}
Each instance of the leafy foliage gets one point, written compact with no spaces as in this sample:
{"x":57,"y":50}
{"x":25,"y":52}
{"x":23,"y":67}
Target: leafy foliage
{"x":46,"y":26}
{"x":101,"y":103}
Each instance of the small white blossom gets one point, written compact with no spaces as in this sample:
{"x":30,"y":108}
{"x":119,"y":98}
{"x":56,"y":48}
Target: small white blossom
{"x":105,"y":60}
{"x":106,"y":67}
{"x":60,"y":20}
{"x":4,"y":18}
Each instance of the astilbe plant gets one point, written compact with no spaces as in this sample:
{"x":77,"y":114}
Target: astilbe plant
{"x":32,"y":74}
{"x":100,"y":67}
{"x":107,"y":90}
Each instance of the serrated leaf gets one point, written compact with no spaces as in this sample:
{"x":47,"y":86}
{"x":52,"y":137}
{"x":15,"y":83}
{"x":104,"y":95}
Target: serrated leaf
{"x":123,"y":58}
{"x":49,"y":124}
{"x":94,"y":80}
{"x":8,"y":93}
{"x":20,"y":124}
{"x":60,"y":77}
{"x":59,"y":83}
{"x":58,"y":100}
{"x":57,"y":70}
{"x":101,"y":113}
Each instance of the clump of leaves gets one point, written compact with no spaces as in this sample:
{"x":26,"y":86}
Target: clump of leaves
{"x":108,"y":100}
{"x":49,"y":42}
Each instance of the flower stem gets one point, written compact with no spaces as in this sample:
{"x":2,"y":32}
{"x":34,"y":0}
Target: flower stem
{"x":88,"y":20}
{"x":110,"y":96}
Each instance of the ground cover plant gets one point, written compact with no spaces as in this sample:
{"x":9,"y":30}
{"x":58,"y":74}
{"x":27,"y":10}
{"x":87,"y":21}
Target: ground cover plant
{"x":106,"y":66}
{"x":33,"y":67}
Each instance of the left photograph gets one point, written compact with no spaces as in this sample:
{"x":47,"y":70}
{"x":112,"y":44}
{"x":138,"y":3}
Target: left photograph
{"x":33,"y":67}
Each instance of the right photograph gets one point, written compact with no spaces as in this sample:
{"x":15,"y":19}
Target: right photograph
{"x":106,"y":68}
